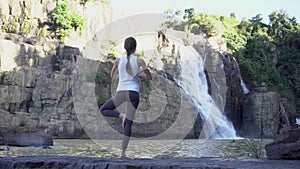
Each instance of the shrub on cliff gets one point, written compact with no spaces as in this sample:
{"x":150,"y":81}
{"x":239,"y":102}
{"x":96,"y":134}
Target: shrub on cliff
{"x":66,"y":22}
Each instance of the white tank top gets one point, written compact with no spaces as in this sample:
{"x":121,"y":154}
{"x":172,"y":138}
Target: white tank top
{"x":126,"y":81}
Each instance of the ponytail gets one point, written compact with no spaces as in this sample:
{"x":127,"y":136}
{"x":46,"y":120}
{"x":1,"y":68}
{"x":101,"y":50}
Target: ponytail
{"x":130,"y":46}
{"x":128,"y":67}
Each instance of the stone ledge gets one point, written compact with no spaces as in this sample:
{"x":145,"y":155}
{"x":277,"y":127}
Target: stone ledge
{"x":115,"y":163}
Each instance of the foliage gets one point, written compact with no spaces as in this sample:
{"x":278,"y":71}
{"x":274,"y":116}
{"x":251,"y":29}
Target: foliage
{"x":17,"y":25}
{"x":173,"y":19}
{"x":255,"y":147}
{"x":102,"y":78}
{"x":235,"y":42}
{"x":65,"y":21}
{"x":211,"y":25}
{"x":27,"y":27}
{"x":109,"y":48}
{"x":10,"y":26}
{"x":42,"y":32}
{"x":102,"y":99}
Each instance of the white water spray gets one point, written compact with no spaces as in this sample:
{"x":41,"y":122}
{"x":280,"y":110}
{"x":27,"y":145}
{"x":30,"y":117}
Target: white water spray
{"x":192,"y":80}
{"x":245,"y":89}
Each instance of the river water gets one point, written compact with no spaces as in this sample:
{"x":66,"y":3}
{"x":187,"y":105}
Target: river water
{"x":240,"y":148}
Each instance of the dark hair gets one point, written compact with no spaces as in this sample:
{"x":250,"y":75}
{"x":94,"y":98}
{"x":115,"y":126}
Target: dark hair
{"x":130,"y":46}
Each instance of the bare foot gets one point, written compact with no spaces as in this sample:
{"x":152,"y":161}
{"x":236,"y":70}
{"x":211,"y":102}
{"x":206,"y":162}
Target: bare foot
{"x":123,"y":155}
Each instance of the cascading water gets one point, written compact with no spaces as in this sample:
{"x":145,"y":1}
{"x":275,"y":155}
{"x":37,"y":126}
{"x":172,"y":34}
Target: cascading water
{"x":245,"y":89}
{"x":192,"y":80}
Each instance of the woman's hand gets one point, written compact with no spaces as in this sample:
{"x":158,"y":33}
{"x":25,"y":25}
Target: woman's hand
{"x":145,"y":70}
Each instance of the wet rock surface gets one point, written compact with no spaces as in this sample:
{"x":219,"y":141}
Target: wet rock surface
{"x":113,"y":163}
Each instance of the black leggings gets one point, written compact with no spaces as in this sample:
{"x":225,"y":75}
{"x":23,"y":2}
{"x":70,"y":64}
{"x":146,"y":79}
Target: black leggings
{"x":132,"y":98}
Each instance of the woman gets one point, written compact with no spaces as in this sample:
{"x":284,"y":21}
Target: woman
{"x":129,"y":67}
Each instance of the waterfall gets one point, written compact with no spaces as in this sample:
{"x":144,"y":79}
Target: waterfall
{"x":192,"y":80}
{"x":245,"y":89}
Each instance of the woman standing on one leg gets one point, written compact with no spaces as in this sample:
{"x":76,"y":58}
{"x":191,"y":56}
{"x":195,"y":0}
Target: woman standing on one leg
{"x":129,"y":67}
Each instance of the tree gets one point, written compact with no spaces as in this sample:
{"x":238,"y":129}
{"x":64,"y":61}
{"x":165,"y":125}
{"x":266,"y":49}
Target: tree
{"x":281,"y":24}
{"x":172,"y":19}
{"x":232,"y":15}
{"x":189,"y":17}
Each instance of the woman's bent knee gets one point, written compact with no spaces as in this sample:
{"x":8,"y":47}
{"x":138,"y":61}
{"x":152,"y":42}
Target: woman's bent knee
{"x":102,"y":110}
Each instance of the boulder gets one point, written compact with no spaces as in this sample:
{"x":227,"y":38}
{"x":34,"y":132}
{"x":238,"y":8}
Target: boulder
{"x":285,"y":146}
{"x":30,"y":139}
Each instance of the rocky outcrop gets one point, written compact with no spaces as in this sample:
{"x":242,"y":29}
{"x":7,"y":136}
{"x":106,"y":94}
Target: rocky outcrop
{"x":169,"y":163}
{"x":264,"y":113}
{"x":35,"y":91}
{"x":261,"y":114}
{"x":17,"y":51}
{"x":285,"y":146}
{"x":30,"y":139}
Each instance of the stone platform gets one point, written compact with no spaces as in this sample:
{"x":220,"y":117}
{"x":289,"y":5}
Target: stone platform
{"x":162,"y":163}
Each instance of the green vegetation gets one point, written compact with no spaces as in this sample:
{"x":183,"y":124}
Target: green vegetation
{"x":17,"y":25}
{"x":102,"y":99}
{"x":109,"y":47}
{"x":65,"y":21}
{"x":102,"y":78}
{"x":27,"y":27}
{"x":267,"y":53}
{"x":255,"y":147}
{"x":10,"y":26}
{"x":42,"y":32}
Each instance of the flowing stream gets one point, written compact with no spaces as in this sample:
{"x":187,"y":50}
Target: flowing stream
{"x":192,"y":80}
